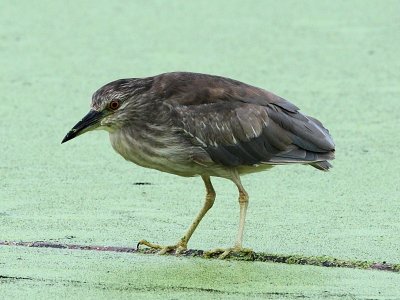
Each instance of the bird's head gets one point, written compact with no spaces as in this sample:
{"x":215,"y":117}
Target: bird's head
{"x":113,"y":106}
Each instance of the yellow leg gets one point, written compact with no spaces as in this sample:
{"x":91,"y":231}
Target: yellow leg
{"x":209,"y":202}
{"x":182,"y":244}
{"x":243,"y":203}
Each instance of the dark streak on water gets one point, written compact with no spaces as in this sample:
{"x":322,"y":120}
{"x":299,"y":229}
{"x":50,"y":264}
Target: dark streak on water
{"x":261,"y":257}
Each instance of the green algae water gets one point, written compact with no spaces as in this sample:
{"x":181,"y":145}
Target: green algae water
{"x":337,"y":61}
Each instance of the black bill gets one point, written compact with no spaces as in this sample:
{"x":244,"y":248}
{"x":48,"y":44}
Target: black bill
{"x":89,"y":122}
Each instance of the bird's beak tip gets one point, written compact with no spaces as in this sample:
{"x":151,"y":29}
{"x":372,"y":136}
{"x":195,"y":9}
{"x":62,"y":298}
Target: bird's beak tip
{"x":70,"y":135}
{"x":66,"y":138}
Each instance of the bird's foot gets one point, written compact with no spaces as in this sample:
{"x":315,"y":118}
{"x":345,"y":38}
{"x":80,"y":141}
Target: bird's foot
{"x":234,"y":251}
{"x":178,"y":248}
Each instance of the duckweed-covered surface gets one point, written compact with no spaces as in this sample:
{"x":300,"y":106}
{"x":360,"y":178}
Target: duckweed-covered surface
{"x":338,"y":61}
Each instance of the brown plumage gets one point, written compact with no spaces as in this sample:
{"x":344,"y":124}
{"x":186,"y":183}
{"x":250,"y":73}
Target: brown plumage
{"x":239,"y":124}
{"x":193,"y":124}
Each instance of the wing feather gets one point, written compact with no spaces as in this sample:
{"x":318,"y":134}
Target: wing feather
{"x":238,"y":124}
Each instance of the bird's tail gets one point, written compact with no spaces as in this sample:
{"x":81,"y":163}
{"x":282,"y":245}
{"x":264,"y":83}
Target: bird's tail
{"x":322,"y":165}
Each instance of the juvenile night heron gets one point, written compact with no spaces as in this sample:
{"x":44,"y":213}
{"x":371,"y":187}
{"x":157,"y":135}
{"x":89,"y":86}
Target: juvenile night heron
{"x":191,"y":124}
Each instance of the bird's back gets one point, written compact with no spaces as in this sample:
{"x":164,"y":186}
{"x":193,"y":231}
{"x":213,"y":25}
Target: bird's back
{"x":242,"y":125}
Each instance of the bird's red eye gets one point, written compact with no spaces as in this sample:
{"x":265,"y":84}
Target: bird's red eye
{"x":114,"y":104}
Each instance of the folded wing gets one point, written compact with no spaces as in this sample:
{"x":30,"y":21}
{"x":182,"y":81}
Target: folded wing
{"x":238,"y":124}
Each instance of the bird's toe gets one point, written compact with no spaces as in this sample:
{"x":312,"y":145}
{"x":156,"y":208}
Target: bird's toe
{"x":178,"y":248}
{"x":238,"y":252}
{"x":148,"y":244}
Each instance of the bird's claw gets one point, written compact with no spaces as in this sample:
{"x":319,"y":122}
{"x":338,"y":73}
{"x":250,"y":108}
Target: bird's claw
{"x":224,"y":253}
{"x":148,"y":244}
{"x":179,"y":247}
